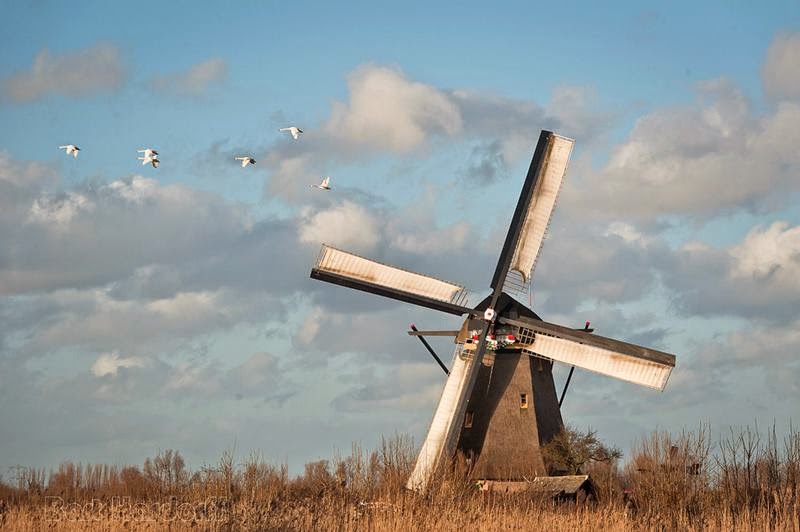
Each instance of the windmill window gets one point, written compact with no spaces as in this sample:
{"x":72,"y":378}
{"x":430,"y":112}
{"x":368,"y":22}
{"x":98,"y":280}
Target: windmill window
{"x":523,"y":400}
{"x":468,"y":420}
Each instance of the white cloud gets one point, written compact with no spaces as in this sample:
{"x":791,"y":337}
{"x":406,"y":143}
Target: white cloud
{"x":718,"y":155}
{"x":346,"y":225}
{"x":453,"y":237}
{"x":774,"y":251}
{"x":387,"y":111}
{"x":628,"y":233}
{"x":110,"y":363}
{"x":93,"y":319}
{"x":292,"y":173}
{"x":575,"y":111}
{"x":612,"y":263}
{"x":758,"y":278}
{"x":510,"y":127}
{"x":57,"y":212}
{"x":22,"y":174}
{"x":137,"y":189}
{"x":95,"y":236}
{"x":195,"y":81}
{"x":414,"y":229}
{"x":73,"y":74}
{"x":781,"y":71}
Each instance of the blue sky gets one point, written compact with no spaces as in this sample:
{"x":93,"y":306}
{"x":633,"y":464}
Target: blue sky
{"x":151,"y":308}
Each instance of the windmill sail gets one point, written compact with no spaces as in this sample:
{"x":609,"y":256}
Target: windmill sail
{"x":445,"y":427}
{"x":532,"y":213}
{"x":340,"y":267}
{"x":624,"y":361}
{"x":545,"y":193}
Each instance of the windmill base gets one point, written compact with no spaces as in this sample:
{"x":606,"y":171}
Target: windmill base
{"x":512,"y":412}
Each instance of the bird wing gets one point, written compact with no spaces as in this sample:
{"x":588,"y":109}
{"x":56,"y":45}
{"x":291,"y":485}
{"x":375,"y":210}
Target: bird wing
{"x":326,"y":182}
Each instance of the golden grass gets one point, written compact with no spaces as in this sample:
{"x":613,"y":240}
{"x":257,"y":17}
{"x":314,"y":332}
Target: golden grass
{"x":683,"y":482}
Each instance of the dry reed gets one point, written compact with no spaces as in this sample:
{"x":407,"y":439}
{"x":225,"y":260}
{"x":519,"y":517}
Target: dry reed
{"x":744,"y":481}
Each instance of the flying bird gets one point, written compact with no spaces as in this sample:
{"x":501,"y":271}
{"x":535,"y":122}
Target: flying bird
{"x":294,"y":131}
{"x":150,"y":157}
{"x":70,"y":149}
{"x":325,"y":185}
{"x":246,"y":160}
{"x":153,"y":161}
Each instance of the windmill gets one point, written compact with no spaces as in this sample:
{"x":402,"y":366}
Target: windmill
{"x":499,"y":403}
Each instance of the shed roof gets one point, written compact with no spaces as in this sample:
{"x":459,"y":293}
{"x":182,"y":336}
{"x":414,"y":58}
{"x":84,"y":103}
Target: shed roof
{"x":568,"y":485}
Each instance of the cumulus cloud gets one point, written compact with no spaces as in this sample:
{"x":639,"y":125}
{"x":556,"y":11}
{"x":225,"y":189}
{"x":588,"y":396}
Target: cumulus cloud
{"x":780,"y":73}
{"x":18,"y":177}
{"x":575,"y":111}
{"x":450,"y":238}
{"x":94,"y":320}
{"x":93,"y":237}
{"x":195,"y":81}
{"x":769,"y":252}
{"x":388,"y":111}
{"x":508,"y":128}
{"x":346,"y":225}
{"x":57,"y":212}
{"x":758,"y":278}
{"x":612,"y":263}
{"x":715,"y":156}
{"x":73,"y":74}
{"x":259,"y":377}
{"x":754,"y":361}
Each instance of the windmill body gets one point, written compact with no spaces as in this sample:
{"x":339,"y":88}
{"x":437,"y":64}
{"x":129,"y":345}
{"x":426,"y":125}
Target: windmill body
{"x":512,"y":410}
{"x":499,"y":403}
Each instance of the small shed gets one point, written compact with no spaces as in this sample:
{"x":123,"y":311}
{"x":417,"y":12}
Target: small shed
{"x":577,"y":488}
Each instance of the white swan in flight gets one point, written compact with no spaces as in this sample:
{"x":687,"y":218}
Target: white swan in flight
{"x":70,"y":149}
{"x":150,"y":156}
{"x":325,"y":185}
{"x":246,"y":160}
{"x":294,"y":131}
{"x":153,"y":161}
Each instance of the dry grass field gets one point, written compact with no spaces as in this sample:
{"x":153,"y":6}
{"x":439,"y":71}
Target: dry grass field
{"x":743,"y":481}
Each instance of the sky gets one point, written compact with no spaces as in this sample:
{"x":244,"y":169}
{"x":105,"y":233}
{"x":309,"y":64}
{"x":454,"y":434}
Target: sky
{"x":143,"y":309}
